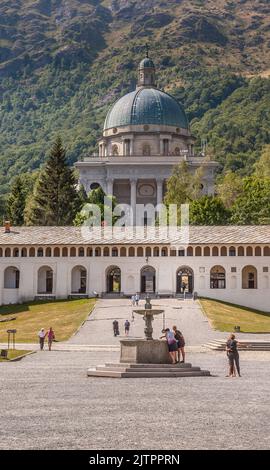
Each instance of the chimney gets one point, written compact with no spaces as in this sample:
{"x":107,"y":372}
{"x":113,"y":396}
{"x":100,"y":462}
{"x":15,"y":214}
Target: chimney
{"x":7,"y":226}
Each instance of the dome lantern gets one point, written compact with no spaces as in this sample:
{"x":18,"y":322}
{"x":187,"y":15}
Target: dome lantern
{"x":147,"y":71}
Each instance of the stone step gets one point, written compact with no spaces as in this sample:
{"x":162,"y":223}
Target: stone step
{"x":148,"y":369}
{"x":146,"y":374}
{"x":245,"y":345}
{"x":146,"y":366}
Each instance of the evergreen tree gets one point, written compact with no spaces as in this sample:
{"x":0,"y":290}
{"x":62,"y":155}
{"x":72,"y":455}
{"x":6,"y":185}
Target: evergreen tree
{"x":55,"y":200}
{"x":16,"y":202}
{"x":208,"y":210}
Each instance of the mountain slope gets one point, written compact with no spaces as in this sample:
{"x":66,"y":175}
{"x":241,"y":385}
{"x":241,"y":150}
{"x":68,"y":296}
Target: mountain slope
{"x":63,"y":62}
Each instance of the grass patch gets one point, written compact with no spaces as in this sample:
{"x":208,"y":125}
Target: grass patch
{"x":13,"y":354}
{"x":225,"y":316}
{"x":65,"y":316}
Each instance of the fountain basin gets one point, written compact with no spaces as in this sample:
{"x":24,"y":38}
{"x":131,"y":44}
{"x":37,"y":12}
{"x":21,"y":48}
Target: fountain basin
{"x":144,"y":351}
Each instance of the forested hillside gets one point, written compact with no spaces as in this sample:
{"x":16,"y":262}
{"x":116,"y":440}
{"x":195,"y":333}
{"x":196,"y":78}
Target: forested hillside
{"x":63,"y":62}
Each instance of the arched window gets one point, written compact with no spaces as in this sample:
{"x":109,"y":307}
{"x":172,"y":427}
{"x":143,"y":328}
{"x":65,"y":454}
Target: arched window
{"x":249,"y":277}
{"x":164,"y":251}
{"x":32,"y":252}
{"x":123,"y":251}
{"x":140,"y":251}
{"x":206,"y":251}
{"x":115,"y":151}
{"x":114,"y":251}
{"x":232,"y":251}
{"x":223,"y":251}
{"x":81,"y":251}
{"x":198,"y":251}
{"x":217,"y":277}
{"x":97,"y":251}
{"x":241,"y":251}
{"x":165,"y":146}
{"x":11,"y":278}
{"x":89,"y":251}
{"x":148,"y":252}
{"x":131,"y":251}
{"x":258,"y":251}
{"x":249,"y":251}
{"x":48,"y":252}
{"x":56,"y":252}
{"x":24,"y":253}
{"x":40,"y":252}
{"x":266,"y":251}
{"x":146,"y":151}
{"x":65,"y":252}
{"x":156,"y":251}
{"x":106,"y":251}
{"x":172,"y":252}
{"x":215,"y":251}
{"x":7,"y":252}
{"x":73,"y":251}
{"x":16,"y":252}
{"x":189,"y":251}
{"x":177,"y":151}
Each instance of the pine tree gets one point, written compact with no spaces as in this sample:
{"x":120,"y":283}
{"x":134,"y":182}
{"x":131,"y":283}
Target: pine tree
{"x":16,"y":202}
{"x":55,"y":200}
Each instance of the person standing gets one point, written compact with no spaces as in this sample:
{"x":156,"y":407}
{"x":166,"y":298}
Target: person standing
{"x":127,"y":327}
{"x":137,"y":299}
{"x":172,"y":343}
{"x":115,"y":328}
{"x":133,"y":300}
{"x":233,"y":356}
{"x":51,"y":337}
{"x":42,"y":336}
{"x":180,"y":343}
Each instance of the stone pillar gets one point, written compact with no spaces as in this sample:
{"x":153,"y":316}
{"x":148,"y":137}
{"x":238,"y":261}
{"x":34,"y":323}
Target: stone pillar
{"x":133,"y":196}
{"x":110,"y":186}
{"x":159,"y":191}
{"x":131,"y":145}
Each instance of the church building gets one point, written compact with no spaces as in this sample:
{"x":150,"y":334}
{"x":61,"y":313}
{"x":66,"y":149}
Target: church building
{"x":146,"y":134}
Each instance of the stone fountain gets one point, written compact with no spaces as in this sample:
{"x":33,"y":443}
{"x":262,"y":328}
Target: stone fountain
{"x":146,"y":357}
{"x":146,"y":350}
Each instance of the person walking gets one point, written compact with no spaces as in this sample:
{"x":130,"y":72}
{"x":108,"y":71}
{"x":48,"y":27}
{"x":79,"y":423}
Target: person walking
{"x":127,"y":327}
{"x":180,"y":343}
{"x":51,"y":337}
{"x":172,"y":343}
{"x":115,"y":328}
{"x":42,"y":336}
{"x":133,"y":300}
{"x":233,"y":356}
{"x":137,"y":299}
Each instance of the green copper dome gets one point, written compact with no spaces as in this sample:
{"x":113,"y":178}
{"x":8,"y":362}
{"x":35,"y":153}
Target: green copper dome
{"x":146,"y":63}
{"x":146,"y":106}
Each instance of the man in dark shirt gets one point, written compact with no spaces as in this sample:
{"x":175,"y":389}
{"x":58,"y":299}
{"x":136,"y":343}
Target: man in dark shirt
{"x":233,"y":356}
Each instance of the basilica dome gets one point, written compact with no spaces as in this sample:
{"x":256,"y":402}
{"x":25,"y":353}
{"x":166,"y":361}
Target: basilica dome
{"x":146,"y":105}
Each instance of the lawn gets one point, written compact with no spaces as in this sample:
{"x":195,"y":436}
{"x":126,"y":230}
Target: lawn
{"x":224,"y":316}
{"x":13,"y":353}
{"x":65,"y":317}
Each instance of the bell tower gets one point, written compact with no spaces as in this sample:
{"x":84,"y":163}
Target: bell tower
{"x":147,"y":71}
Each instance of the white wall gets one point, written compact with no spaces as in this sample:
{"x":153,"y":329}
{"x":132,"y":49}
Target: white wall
{"x":166,"y":268}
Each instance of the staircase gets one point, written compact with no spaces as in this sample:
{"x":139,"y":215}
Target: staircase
{"x":243,"y":345}
{"x":120,"y":370}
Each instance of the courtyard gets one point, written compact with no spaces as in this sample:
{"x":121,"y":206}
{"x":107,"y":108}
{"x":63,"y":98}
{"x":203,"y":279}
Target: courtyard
{"x":48,"y":402}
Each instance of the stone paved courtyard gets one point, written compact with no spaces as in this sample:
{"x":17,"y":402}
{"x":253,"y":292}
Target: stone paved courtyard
{"x":47,"y":401}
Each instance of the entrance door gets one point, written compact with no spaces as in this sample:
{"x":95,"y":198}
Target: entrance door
{"x":184,"y":280}
{"x":114,"y":280}
{"x":148,"y":280}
